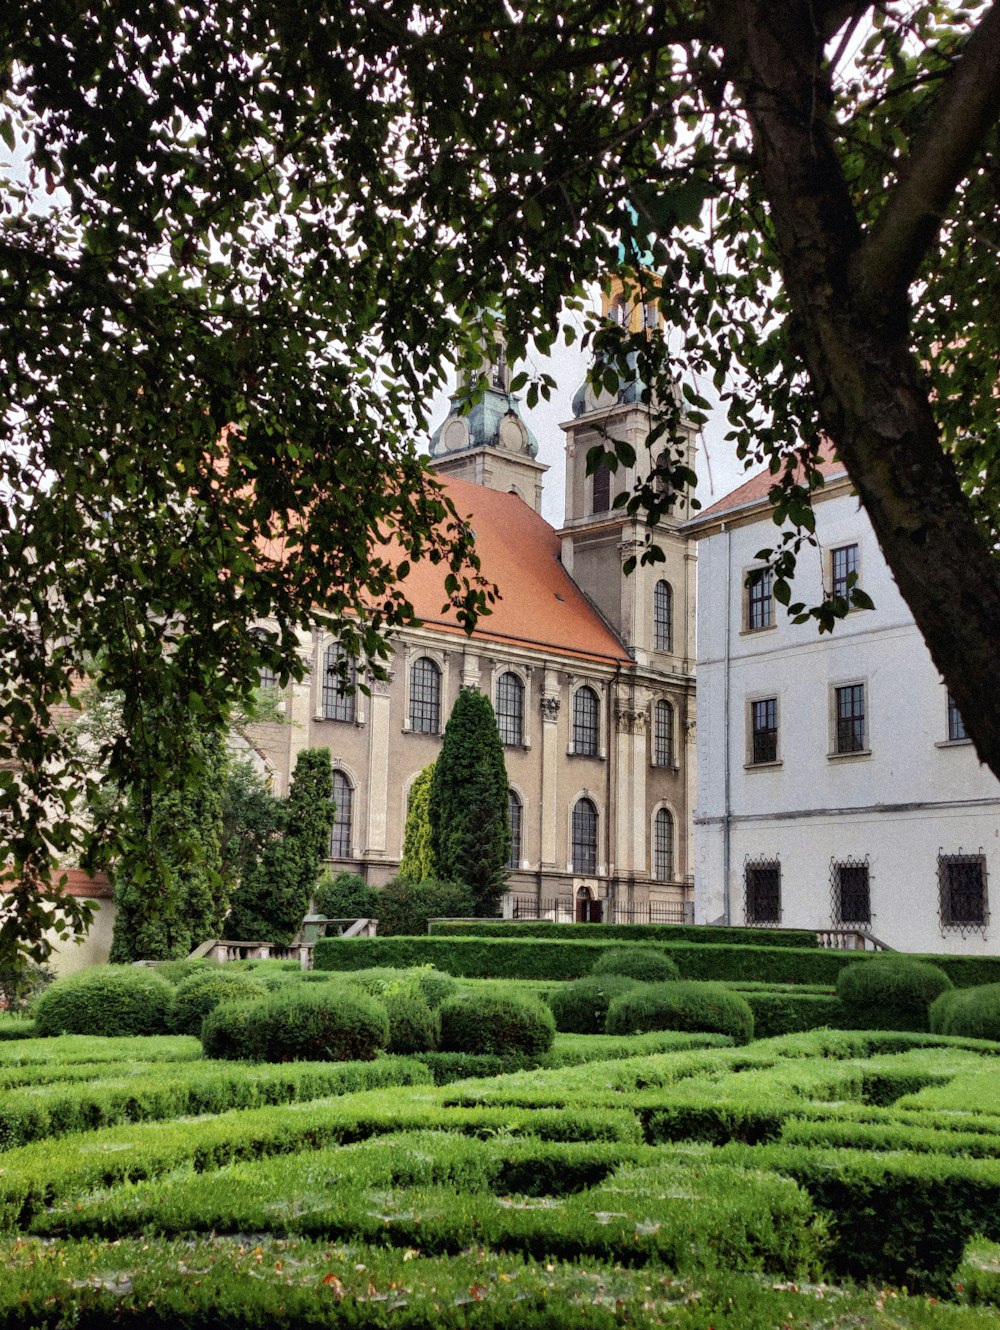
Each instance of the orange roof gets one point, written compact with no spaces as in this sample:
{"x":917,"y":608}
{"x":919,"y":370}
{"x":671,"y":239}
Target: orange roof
{"x":758,"y":488}
{"x":539,"y":604}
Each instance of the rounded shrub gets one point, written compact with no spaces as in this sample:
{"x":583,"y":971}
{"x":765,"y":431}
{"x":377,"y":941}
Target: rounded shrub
{"x":318,"y":1023}
{"x":413,"y":1026}
{"x":406,"y":907}
{"x":890,"y":992}
{"x":487,"y":1023}
{"x":232,"y":1030}
{"x":345,"y":896}
{"x":106,"y":1000}
{"x":202,"y":992}
{"x":972,"y":1012}
{"x":581,"y":1007}
{"x":642,"y":963}
{"x":435,"y":986}
{"x":684,"y":1005}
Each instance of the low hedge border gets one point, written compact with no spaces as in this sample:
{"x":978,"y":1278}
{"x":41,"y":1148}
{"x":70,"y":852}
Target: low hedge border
{"x":707,"y":934}
{"x":188,"y":1090}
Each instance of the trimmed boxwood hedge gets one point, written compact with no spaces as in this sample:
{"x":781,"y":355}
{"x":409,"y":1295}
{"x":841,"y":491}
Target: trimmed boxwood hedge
{"x":106,"y":1000}
{"x":973,"y":1012}
{"x":202,"y":992}
{"x":323,"y":1023}
{"x":581,"y":1007}
{"x":643,"y":963}
{"x":891,"y":992}
{"x":548,"y":958}
{"x":681,"y":1006}
{"x":711,"y":934}
{"x":485,"y":1023}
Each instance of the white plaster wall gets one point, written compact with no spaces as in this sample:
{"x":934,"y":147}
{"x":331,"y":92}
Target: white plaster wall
{"x":913,"y":794}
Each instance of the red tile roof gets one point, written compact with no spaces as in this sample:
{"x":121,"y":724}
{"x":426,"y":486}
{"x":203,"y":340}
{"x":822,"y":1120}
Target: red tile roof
{"x":540,"y":606}
{"x":758,"y":487}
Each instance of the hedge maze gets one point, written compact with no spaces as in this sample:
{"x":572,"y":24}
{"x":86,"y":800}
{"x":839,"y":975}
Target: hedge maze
{"x":823,"y":1177}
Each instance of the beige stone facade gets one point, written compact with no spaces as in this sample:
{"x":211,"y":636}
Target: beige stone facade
{"x":590,"y":670}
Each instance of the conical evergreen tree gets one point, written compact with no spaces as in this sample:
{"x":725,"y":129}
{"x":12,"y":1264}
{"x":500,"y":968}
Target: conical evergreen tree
{"x":418,"y":862}
{"x":170,"y":888}
{"x":470,"y":826}
{"x":274,"y":897}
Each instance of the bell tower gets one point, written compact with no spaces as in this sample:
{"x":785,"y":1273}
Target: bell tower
{"x":652,"y":607}
{"x":488,"y":443}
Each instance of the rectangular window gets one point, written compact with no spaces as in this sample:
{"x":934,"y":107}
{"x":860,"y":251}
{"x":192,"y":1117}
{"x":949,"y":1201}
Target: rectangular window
{"x":956,"y":725}
{"x":844,"y":570}
{"x":763,"y":892}
{"x":851,"y":894}
{"x":760,"y":603}
{"x":764,"y":730}
{"x":962,"y":883}
{"x":850,"y":717}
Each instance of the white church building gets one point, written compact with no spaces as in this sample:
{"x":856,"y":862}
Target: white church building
{"x":835,"y":786}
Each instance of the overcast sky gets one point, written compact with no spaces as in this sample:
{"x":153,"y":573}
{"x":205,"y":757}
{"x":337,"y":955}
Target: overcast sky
{"x":719,"y":472}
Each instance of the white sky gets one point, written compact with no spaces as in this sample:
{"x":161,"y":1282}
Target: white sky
{"x":719,"y":471}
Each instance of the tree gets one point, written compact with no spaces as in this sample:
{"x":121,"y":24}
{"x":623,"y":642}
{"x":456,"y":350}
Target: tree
{"x":246,"y":239}
{"x":274,"y":896}
{"x":170,"y":888}
{"x":418,"y":861}
{"x":469,"y":819}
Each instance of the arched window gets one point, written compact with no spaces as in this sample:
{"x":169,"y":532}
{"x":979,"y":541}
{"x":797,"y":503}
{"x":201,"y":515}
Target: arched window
{"x":340,"y":832}
{"x":425,"y":696}
{"x":585,"y":722}
{"x":663,"y":846}
{"x":510,"y":708}
{"x":663,"y":617}
{"x":514,"y":810}
{"x":267,"y":678}
{"x":584,"y":837}
{"x":338,"y":703}
{"x":663,"y":735}
{"x":602,"y":490}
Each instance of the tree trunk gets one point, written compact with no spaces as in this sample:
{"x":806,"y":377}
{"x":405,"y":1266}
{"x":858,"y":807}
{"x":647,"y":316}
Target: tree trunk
{"x":873,"y":401}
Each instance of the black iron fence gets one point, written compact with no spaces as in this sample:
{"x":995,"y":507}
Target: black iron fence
{"x":568,"y":910}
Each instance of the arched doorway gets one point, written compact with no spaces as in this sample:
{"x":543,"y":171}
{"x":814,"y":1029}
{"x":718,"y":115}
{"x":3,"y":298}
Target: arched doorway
{"x":589,"y":910}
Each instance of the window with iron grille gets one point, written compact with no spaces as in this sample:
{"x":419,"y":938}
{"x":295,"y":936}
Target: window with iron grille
{"x":338,"y":702}
{"x":956,"y":725}
{"x":764,"y":730}
{"x":762,"y":885}
{"x":267,"y":677}
{"x":425,"y":696}
{"x":760,"y":603}
{"x":584,"y":837}
{"x":585,"y":722}
{"x":340,"y":832}
{"x":663,"y":846}
{"x":602,"y":490}
{"x":514,"y":811}
{"x":962,"y":887}
{"x":844,"y":570}
{"x":851,"y":903}
{"x":850,"y":713}
{"x":663,"y":617}
{"x":510,"y":709}
{"x":663,"y":735}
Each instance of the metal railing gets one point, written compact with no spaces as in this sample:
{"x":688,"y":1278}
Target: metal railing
{"x":563,"y":910}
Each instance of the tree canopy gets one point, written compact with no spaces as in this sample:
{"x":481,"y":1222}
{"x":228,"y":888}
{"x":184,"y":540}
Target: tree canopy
{"x":239,"y":243}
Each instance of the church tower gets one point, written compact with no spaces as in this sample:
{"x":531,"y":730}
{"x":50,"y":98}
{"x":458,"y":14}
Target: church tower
{"x":488,"y":443}
{"x":652,"y":608}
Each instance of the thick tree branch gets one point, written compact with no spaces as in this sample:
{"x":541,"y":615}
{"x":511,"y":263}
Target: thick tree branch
{"x":968,"y":105}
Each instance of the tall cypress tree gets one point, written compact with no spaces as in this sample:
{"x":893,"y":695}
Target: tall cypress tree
{"x":170,"y":887}
{"x":418,"y":862}
{"x":274,"y":897}
{"x":470,"y":825}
